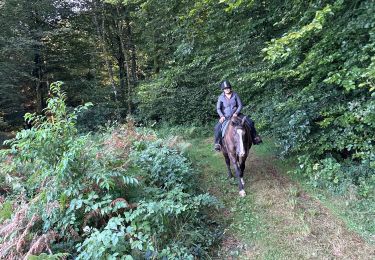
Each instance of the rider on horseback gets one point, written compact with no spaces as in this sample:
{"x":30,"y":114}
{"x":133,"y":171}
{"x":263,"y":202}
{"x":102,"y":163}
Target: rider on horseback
{"x":229,"y":104}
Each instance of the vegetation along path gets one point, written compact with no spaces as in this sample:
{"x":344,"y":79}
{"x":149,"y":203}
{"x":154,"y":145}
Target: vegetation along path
{"x":277,"y":219}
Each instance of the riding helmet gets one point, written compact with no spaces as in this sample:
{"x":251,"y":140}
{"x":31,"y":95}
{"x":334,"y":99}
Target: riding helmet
{"x":225,"y":84}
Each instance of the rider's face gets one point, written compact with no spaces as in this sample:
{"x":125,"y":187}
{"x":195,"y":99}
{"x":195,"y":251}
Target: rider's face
{"x":227,"y":90}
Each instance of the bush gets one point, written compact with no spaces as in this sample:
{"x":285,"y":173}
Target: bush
{"x":345,"y":178}
{"x":6,"y":210}
{"x":116,"y":194}
{"x":316,"y":92}
{"x":97,"y":116}
{"x":190,"y":131}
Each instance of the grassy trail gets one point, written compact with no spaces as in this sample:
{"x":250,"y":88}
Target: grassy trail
{"x":277,"y":219}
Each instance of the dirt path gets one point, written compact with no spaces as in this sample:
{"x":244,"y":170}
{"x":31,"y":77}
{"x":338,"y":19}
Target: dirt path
{"x":277,"y":219}
{"x":301,"y":223}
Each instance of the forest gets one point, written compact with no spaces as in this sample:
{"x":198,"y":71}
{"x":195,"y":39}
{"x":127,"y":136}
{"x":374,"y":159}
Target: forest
{"x":105,"y":105}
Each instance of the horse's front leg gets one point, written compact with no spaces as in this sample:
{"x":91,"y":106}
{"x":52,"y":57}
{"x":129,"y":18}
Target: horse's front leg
{"x":238,"y":175}
{"x":227,"y":161}
{"x":242,"y":168}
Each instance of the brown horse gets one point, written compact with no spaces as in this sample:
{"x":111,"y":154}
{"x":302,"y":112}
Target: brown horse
{"x":236,"y":145}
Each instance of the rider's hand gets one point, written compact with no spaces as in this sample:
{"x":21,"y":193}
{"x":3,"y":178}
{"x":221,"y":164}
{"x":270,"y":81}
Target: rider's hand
{"x":235,"y":115}
{"x":222,"y":119}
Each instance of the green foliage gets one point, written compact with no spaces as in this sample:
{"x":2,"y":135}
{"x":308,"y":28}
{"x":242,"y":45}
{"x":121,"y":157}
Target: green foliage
{"x":163,"y":166}
{"x":339,"y":177}
{"x":17,"y":41}
{"x":109,"y":243}
{"x":185,"y":131}
{"x":305,"y":72}
{"x":279,"y":49}
{"x":45,"y":40}
{"x":167,"y":207}
{"x":174,"y":101}
{"x":48,"y":153}
{"x":315,"y":91}
{"x":98,"y":116}
{"x":105,"y":198}
{"x":6,"y":210}
{"x":45,"y":256}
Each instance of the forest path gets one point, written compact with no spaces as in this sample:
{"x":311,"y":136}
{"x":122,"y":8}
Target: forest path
{"x":277,"y":219}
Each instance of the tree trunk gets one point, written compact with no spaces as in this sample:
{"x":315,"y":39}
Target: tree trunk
{"x":126,"y":57}
{"x":102,"y":44}
{"x":133,"y":55}
{"x":39,"y":105}
{"x":37,"y":73}
{"x":155,"y":55}
{"x":122,"y":75}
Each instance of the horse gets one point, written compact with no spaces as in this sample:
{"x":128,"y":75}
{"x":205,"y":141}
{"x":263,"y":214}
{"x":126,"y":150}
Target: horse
{"x":236,"y":145}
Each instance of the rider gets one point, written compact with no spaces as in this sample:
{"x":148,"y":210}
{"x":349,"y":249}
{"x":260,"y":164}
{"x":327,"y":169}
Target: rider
{"x":229,"y":104}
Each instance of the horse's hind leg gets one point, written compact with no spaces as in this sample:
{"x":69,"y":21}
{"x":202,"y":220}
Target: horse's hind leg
{"x":227,"y":161}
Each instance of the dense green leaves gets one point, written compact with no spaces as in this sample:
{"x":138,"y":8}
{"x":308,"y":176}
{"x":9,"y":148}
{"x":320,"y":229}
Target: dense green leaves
{"x":323,"y":93}
{"x":305,"y":71}
{"x":120,"y":195}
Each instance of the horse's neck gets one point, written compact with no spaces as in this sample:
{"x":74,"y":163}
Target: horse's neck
{"x":229,"y":137}
{"x":229,"y":132}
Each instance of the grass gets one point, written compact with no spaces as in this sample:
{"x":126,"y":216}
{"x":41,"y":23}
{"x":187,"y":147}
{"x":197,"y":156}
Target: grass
{"x":282,"y":216}
{"x":245,"y":229}
{"x":277,"y":219}
{"x":358,"y":214}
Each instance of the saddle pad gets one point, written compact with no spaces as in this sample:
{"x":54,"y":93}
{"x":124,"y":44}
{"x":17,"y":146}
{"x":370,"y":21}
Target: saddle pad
{"x":224,"y":127}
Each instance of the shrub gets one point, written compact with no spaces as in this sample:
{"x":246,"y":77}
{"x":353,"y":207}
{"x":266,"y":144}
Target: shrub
{"x":115,"y":194}
{"x":6,"y":210}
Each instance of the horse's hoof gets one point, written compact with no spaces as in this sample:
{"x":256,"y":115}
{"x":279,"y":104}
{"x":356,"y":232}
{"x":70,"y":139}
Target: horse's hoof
{"x":242,"y":193}
{"x":242,"y":181}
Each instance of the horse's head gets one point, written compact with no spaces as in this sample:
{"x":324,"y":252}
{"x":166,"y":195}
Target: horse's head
{"x":239,"y":131}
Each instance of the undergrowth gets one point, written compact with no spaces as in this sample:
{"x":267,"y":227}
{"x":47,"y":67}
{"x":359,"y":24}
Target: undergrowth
{"x":119,"y":194}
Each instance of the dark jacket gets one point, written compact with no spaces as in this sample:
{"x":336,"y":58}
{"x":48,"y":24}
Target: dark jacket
{"x":227,"y":107}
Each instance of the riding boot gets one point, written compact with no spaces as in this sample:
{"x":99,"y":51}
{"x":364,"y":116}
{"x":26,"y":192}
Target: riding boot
{"x":217,"y":146}
{"x":253,"y":132}
{"x":254,"y":136}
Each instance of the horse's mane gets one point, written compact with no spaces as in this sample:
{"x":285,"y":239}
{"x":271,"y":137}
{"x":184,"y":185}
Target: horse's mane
{"x":236,"y":121}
